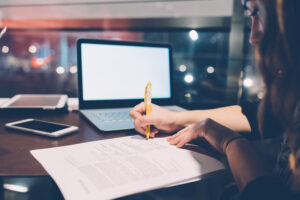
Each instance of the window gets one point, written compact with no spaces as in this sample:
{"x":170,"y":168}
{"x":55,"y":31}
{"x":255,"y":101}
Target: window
{"x":44,"y":61}
{"x":252,"y":84}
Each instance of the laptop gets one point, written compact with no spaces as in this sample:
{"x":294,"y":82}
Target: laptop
{"x":112,"y":76}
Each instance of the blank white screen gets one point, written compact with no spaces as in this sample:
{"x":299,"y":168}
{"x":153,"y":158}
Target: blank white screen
{"x":113,"y":72}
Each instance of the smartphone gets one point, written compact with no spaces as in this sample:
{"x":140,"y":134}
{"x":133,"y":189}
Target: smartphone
{"x":42,"y":127}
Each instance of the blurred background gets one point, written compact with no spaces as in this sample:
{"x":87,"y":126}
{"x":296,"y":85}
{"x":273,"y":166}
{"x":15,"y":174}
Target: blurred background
{"x":212,"y":56}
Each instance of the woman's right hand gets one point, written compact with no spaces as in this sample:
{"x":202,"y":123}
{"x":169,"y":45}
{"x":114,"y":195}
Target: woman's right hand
{"x":162,"y":119}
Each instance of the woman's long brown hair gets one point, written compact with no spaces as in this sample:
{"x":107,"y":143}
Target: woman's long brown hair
{"x":279,"y":63}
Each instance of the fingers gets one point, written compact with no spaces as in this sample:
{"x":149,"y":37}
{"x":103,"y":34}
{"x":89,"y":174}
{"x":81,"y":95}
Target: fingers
{"x":153,"y":132}
{"x":137,"y":114}
{"x":145,"y":120}
{"x":138,"y":111}
{"x":174,"y":139}
{"x":141,"y":121}
{"x":177,"y":134}
{"x":181,"y":138}
{"x":141,"y":130}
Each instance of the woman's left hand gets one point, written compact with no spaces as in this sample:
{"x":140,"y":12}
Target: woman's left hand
{"x":215,"y":133}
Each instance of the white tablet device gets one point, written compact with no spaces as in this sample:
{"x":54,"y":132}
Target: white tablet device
{"x":32,"y":101}
{"x":42,"y":127}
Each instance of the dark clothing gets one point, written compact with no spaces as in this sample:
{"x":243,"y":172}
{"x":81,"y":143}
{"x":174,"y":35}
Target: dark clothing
{"x":281,"y":185}
{"x":282,"y":168}
{"x":249,"y":109}
{"x":274,"y":128}
{"x":264,"y":188}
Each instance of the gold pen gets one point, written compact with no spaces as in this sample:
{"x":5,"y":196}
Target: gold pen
{"x":147,"y":100}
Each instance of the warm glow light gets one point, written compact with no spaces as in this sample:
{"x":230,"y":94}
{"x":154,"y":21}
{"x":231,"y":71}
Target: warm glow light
{"x":32,"y":49}
{"x":189,"y":78}
{"x":248,"y":82}
{"x":182,"y":68}
{"x":188,"y":95}
{"x":73,"y":69}
{"x":60,"y":70}
{"x":210,"y":69}
{"x":194,"y":35}
{"x":15,"y":188}
{"x":260,"y":95}
{"x":5,"y":49}
{"x":40,"y":61}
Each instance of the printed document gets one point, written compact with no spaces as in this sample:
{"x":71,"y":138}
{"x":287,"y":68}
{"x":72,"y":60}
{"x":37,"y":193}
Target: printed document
{"x":113,"y":168}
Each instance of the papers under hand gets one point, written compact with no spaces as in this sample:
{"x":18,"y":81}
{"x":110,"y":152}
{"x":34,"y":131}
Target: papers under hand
{"x":113,"y":168}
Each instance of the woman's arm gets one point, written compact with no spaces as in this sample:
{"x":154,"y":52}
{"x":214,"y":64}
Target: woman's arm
{"x":229,"y":116}
{"x":245,"y":163}
{"x":167,"y":121}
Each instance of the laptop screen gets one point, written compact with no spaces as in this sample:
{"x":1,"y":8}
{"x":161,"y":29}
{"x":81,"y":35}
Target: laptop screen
{"x":122,"y":71}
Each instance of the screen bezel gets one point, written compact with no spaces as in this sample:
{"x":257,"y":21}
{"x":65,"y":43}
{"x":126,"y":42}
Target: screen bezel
{"x":93,"y":104}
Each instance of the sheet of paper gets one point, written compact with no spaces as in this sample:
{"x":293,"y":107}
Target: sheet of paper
{"x":113,"y":168}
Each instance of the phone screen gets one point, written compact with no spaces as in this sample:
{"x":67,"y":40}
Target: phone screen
{"x":42,"y":126}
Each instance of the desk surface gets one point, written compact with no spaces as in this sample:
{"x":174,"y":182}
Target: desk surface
{"x":15,"y":158}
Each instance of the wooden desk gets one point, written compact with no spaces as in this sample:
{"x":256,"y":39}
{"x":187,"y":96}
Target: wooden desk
{"x":15,"y":158}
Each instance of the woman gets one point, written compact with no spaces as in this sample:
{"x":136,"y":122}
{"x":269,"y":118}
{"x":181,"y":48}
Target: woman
{"x":279,"y":62}
{"x":278,"y":57}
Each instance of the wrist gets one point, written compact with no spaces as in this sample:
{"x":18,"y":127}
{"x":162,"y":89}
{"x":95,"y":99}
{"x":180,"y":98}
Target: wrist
{"x":179,"y":120}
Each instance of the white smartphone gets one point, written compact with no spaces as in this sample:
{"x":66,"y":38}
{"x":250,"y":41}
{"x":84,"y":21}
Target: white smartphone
{"x":42,"y":127}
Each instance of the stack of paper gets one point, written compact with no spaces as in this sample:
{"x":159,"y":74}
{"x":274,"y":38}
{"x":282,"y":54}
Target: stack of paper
{"x":113,"y":168}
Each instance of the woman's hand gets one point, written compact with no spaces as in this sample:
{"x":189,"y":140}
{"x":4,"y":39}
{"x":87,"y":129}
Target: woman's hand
{"x":216,"y":134}
{"x":161,"y":118}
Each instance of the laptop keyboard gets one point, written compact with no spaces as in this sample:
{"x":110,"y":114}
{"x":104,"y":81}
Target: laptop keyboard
{"x":113,"y":116}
